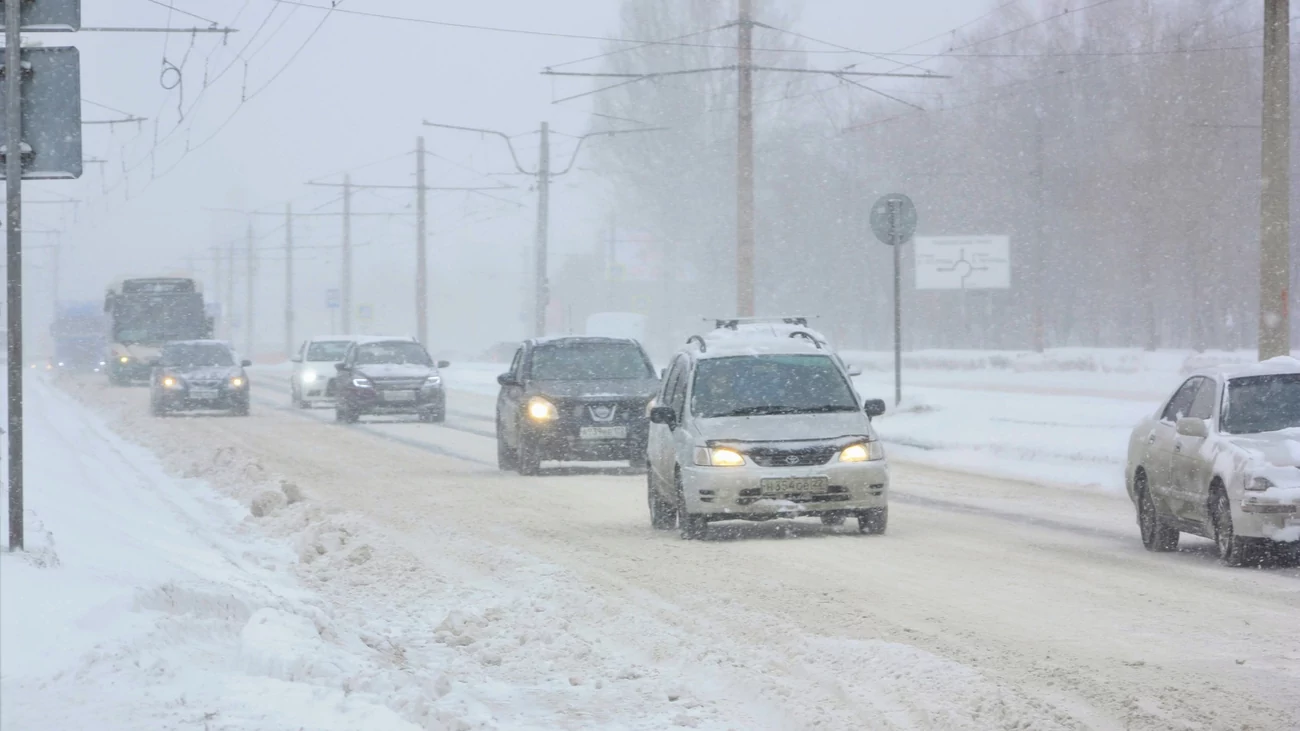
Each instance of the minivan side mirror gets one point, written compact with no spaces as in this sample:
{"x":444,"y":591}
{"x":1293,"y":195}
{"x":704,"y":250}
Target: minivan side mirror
{"x":664,"y":415}
{"x":1190,"y":426}
{"x":874,"y":407}
{"x":340,"y":367}
{"x":444,"y":364}
{"x":507,"y":379}
{"x":245,"y":363}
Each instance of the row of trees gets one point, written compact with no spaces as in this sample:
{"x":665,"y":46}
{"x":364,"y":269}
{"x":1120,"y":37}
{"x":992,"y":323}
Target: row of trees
{"x":1117,"y":147}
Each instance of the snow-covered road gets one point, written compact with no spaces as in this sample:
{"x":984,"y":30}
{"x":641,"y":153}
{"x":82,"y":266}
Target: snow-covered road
{"x":990,"y":603}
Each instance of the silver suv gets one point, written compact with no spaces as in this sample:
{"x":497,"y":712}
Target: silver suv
{"x":752,"y":426}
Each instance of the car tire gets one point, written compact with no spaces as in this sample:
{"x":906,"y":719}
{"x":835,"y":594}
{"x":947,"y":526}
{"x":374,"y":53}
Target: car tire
{"x":662,"y":514}
{"x":1234,"y":550}
{"x":693,"y":526}
{"x":433,"y":417}
{"x":834,"y":520}
{"x":507,"y":459}
{"x":156,"y":408}
{"x":344,"y":415}
{"x":528,"y":458}
{"x":1156,"y":535}
{"x":874,"y":521}
{"x":240,"y":410}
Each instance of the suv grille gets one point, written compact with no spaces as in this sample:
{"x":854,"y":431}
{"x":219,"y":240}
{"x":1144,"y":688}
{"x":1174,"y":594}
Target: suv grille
{"x":398,"y":384}
{"x":777,"y":457}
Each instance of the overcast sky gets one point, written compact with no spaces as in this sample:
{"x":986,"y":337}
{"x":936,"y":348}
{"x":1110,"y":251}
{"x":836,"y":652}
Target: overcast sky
{"x":355,"y":94}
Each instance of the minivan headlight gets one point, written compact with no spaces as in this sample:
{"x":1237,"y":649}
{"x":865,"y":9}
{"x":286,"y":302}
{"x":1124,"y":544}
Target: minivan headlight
{"x":539,"y":409}
{"x":863,"y":452}
{"x":718,"y":457}
{"x":433,"y":381}
{"x":309,"y":376}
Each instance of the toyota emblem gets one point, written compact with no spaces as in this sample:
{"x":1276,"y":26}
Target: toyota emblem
{"x":792,"y":459}
{"x":602,"y":413}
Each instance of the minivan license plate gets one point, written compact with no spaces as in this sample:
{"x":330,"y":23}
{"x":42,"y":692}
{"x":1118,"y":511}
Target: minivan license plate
{"x":603,"y":432}
{"x":399,"y":396}
{"x":786,"y":485}
{"x":203,"y":394}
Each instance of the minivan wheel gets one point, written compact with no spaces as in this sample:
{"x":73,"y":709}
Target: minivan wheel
{"x":693,"y":526}
{"x":662,"y":515}
{"x":1234,"y":550}
{"x":1156,"y":536}
{"x":505,"y":456}
{"x":873,"y":521}
{"x":529,"y":457}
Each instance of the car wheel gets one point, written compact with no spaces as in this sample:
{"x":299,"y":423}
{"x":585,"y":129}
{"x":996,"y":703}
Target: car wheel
{"x":833,"y":520}
{"x":662,"y":515}
{"x":156,"y":408}
{"x":433,"y":417}
{"x":693,"y":526}
{"x":529,"y":457}
{"x":240,"y":409}
{"x":873,"y":521}
{"x":1156,"y":535}
{"x":344,"y":415}
{"x":1234,"y":550}
{"x":506,"y":457}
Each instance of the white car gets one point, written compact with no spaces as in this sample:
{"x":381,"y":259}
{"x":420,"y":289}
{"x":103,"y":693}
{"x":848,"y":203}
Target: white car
{"x":1221,"y":459}
{"x":313,"y":369}
{"x":763,"y":427}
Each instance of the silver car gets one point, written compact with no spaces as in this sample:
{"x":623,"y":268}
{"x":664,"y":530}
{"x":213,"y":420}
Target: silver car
{"x":1221,"y":459}
{"x":762,"y":428}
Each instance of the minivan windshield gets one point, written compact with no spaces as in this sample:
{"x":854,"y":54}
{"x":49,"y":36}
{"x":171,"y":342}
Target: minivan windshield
{"x":764,"y":385}
{"x":328,"y":351}
{"x":184,"y":355}
{"x":590,"y":361}
{"x":1258,"y":404}
{"x":394,"y":353}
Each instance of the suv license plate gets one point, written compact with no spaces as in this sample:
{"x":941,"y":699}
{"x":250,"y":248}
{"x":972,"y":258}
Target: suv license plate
{"x":603,"y":432}
{"x":203,"y":394}
{"x":785,"y":485}
{"x":399,"y":396}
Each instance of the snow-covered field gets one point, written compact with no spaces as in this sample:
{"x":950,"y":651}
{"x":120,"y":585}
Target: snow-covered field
{"x":283,"y":572}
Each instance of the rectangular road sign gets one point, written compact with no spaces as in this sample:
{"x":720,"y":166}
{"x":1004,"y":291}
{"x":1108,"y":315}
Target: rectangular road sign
{"x":365,"y":313}
{"x":47,"y":16}
{"x":963,"y":262}
{"x":51,"y":114}
{"x":332,"y":299}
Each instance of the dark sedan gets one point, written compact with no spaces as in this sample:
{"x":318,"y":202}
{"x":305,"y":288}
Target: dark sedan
{"x":194,"y":375}
{"x":575,"y":398}
{"x":384,"y":376}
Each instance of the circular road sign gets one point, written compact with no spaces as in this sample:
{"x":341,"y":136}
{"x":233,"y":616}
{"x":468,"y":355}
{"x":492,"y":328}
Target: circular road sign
{"x":893,"y":218}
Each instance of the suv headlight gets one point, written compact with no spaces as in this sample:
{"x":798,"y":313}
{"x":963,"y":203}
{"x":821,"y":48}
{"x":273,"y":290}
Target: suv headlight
{"x":1259,"y":484}
{"x":361,"y":382}
{"x":718,"y":457}
{"x":171,"y":382}
{"x":539,"y":409}
{"x":863,"y":452}
{"x":433,"y":381}
{"x":237,"y":382}
{"x":124,"y":359}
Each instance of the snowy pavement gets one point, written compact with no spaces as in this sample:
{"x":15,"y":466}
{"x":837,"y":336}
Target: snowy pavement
{"x":414,"y":584}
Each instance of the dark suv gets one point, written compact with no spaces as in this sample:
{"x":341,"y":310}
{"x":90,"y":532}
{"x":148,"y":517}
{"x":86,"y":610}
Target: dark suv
{"x":574,"y":398}
{"x":389,"y":376}
{"x":198,"y":375}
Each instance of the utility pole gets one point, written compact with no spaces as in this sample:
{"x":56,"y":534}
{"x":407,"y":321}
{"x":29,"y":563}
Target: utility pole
{"x":288,"y":280}
{"x":345,"y":284}
{"x":745,"y":163}
{"x":14,"y":259}
{"x":421,"y":254}
{"x":1275,"y":164}
{"x":230,"y":292}
{"x":251,"y":289}
{"x":542,"y":296}
{"x":1040,"y":237}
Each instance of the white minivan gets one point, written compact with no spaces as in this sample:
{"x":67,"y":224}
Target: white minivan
{"x":313,"y":369}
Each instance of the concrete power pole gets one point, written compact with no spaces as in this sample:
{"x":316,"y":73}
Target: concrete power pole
{"x":14,"y":259}
{"x":1275,"y":165}
{"x":250,"y":287}
{"x":288,"y":280}
{"x":421,"y":252}
{"x":541,"y":285}
{"x":216,"y":287}
{"x":345,"y":284}
{"x":745,"y":164}
{"x":230,"y":293}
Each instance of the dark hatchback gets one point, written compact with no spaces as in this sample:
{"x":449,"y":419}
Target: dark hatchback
{"x":389,"y":376}
{"x":574,"y":399}
{"x":194,"y":375}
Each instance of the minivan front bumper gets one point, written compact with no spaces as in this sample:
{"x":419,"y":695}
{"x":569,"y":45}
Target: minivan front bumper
{"x":741,"y":492}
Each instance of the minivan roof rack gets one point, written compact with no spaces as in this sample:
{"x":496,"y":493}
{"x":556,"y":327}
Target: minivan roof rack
{"x":733,"y":323}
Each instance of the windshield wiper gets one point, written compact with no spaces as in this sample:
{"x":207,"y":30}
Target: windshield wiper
{"x":786,"y":410}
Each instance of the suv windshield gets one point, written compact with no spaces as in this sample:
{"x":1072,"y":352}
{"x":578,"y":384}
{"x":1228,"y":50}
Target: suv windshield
{"x":197,"y":354}
{"x":588,"y":361}
{"x":762,"y":385}
{"x":1262,"y":404}
{"x":328,"y":351}
{"x":395,"y":353}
